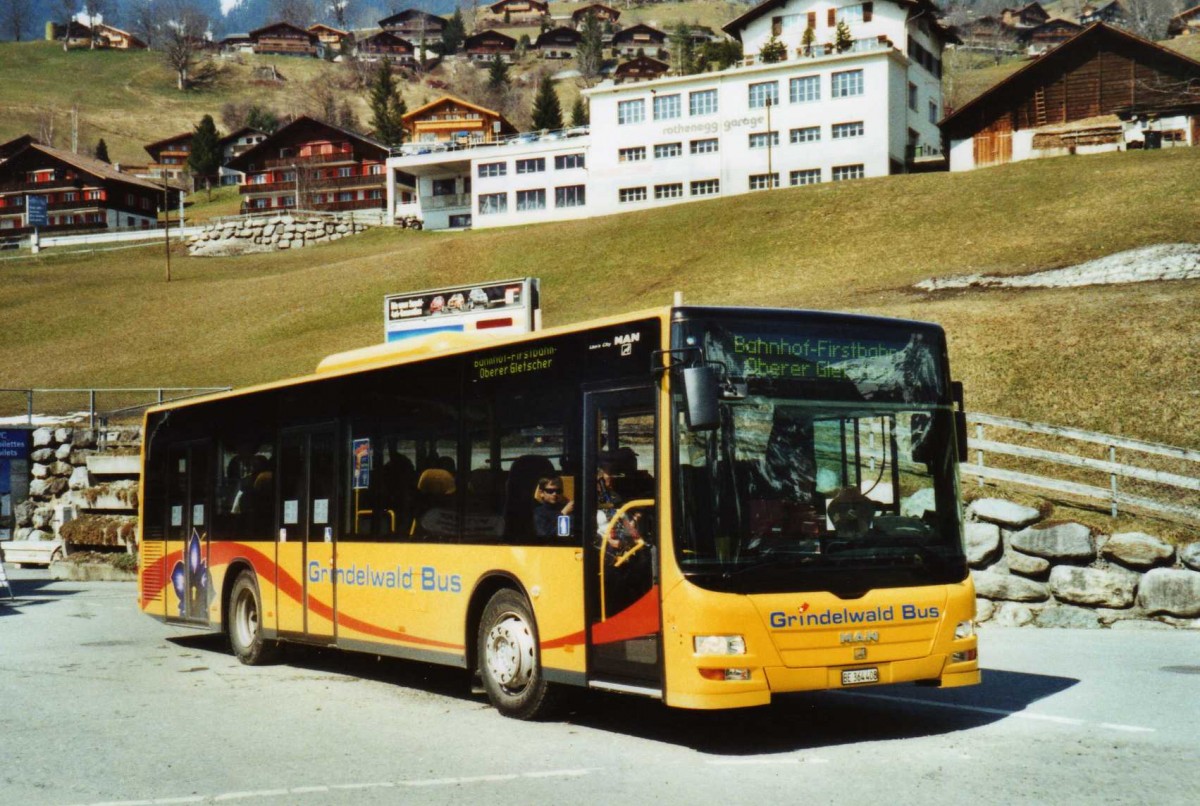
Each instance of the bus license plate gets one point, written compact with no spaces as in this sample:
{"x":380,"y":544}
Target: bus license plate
{"x":853,"y":677}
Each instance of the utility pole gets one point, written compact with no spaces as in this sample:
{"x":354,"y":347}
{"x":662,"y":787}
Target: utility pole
{"x":770,"y":172}
{"x":167,"y":223}
{"x":74,"y":129}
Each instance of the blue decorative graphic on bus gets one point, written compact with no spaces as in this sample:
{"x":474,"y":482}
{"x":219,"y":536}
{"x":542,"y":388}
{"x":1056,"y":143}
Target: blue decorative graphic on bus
{"x":191,"y":584}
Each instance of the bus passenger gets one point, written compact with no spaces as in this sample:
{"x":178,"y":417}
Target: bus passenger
{"x":552,"y":502}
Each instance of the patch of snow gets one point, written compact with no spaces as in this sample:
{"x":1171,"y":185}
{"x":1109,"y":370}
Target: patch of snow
{"x":44,"y":419}
{"x":1178,"y":261}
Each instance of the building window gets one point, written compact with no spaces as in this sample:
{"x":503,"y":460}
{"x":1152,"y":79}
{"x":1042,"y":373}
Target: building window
{"x":631,"y":112}
{"x":804,"y":89}
{"x":764,"y":181}
{"x":531,"y":166}
{"x":344,"y":171}
{"x":707,"y":146}
{"x":702,"y":102}
{"x":764,"y":139}
{"x":843,"y":131}
{"x":569,"y":196}
{"x":664,"y":151}
{"x":531,"y":199}
{"x":374,"y":170}
{"x":493,"y":203}
{"x":809,"y":176}
{"x":846,"y":84}
{"x":444,"y":187}
{"x":912,"y":96}
{"x":492,"y":169}
{"x":706,"y":187}
{"x":762,"y":93}
{"x":95,"y":195}
{"x":850,"y":14}
{"x":375,"y":194}
{"x":626,"y":195}
{"x":564,"y":161}
{"x":808,"y":134}
{"x":933,"y":113}
{"x":666,"y":107}
{"x":674,"y":190}
{"x":843,"y":172}
{"x":635,"y":154}
{"x":70,"y":196}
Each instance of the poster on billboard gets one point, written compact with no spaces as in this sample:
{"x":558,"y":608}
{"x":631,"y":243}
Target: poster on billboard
{"x":501,"y":308}
{"x":37,"y":211}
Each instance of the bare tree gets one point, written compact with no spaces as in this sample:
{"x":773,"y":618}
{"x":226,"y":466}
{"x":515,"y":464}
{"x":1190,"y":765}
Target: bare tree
{"x":182,"y":34}
{"x":65,"y":10}
{"x":340,"y":12}
{"x":297,"y":12}
{"x":145,"y":20}
{"x":1149,"y":18}
{"x":16,"y":14}
{"x":45,"y":126}
{"x":94,"y":9}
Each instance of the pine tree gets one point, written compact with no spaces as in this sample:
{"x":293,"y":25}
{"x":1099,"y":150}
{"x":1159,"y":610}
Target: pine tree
{"x":590,"y":55}
{"x":498,"y":73}
{"x":102,"y":151}
{"x":547,"y":111}
{"x":453,"y":34}
{"x":684,"y":49}
{"x":842,"y":39}
{"x":579,"y":113}
{"x":204,"y":157}
{"x":387,"y":107}
{"x":773,"y":51}
{"x":807,"y":40}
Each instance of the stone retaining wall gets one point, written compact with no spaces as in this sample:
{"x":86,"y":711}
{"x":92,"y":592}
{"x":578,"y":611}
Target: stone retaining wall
{"x":1030,"y":571}
{"x":268,"y":234}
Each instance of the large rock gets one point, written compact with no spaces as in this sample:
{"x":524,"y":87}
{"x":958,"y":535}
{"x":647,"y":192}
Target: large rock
{"x":990,"y":585}
{"x":1191,"y":556}
{"x":983,"y":543}
{"x":84,"y":438}
{"x":56,"y":486}
{"x":37,"y":488}
{"x":1012,"y":614}
{"x":43,"y":456}
{"x":1138,"y":550}
{"x":63,"y":434}
{"x":984,"y":608}
{"x":63,"y":452}
{"x":1092,"y":586}
{"x":1005,"y":513}
{"x":61,"y":469}
{"x":79,"y":478}
{"x":42,"y":437}
{"x":39,"y":471}
{"x":1061,"y":615}
{"x":1026,"y":564}
{"x":41,"y":518}
{"x":1172,"y":591}
{"x":23,"y":513}
{"x":1063,"y":541}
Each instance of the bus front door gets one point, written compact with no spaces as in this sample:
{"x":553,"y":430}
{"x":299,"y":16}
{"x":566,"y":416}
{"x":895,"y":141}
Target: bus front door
{"x":619,"y":501}
{"x":189,"y":491}
{"x":306,"y":548}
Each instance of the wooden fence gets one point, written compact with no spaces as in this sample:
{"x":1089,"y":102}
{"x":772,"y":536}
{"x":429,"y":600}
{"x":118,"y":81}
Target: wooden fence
{"x":1159,"y":479}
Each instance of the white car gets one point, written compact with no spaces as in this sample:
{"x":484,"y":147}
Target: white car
{"x":33,"y":552}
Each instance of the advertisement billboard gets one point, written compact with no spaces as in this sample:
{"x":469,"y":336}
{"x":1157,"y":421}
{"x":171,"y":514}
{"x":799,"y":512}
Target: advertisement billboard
{"x":501,"y":308}
{"x":37,"y":211}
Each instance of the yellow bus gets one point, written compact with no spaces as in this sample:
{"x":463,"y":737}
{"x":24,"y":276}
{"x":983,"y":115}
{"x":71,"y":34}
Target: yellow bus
{"x":704,"y":505}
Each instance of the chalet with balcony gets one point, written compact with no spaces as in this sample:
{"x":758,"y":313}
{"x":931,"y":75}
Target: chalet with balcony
{"x":284,"y":39}
{"x":1185,"y":22}
{"x":487,"y":45}
{"x":560,"y":43}
{"x":169,"y":156}
{"x":14,"y":145}
{"x":1041,"y":38}
{"x":234,"y":144}
{"x":82,"y":194}
{"x":108,"y":36}
{"x":1106,"y":89}
{"x":640,"y":40}
{"x":412,"y":23}
{"x":518,"y":12}
{"x":312,"y":165}
{"x":640,"y":68}
{"x":329,"y":39}
{"x":603,"y":14}
{"x":1111,"y":12}
{"x":384,"y":46}
{"x":455,"y":121}
{"x":1027,"y":16}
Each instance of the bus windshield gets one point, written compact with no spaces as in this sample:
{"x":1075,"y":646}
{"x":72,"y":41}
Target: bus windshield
{"x":834,"y":464}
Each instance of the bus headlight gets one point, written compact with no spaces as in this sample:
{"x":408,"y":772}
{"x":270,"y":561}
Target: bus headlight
{"x":965,"y":629}
{"x":719,"y":644}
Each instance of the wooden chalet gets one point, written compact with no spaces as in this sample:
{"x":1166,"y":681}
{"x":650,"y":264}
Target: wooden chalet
{"x":412,"y":22}
{"x":236,"y":43}
{"x":108,"y":36}
{"x":1185,"y":22}
{"x":603,"y":14}
{"x":169,"y":156}
{"x":284,"y":39}
{"x":233,"y":144}
{"x":384,"y":46}
{"x":1028,"y":16}
{"x":1111,"y":12}
{"x":1103,"y":71}
{"x":14,"y":145}
{"x":82,"y":194}
{"x":77,"y":34}
{"x":453,"y":120}
{"x":519,"y":12}
{"x":560,"y":43}
{"x":640,"y":68}
{"x":487,"y":45}
{"x":328,"y":37}
{"x":640,"y":40}
{"x":987,"y":35}
{"x":313,"y":166}
{"x":1041,"y":38}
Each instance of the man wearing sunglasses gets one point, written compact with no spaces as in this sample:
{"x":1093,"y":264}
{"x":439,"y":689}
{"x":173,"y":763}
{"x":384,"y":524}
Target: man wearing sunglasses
{"x":552,"y":502}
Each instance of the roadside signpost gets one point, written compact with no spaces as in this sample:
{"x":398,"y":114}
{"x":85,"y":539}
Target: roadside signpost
{"x":36,"y":215}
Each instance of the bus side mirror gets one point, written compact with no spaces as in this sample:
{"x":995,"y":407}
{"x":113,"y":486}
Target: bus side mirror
{"x":701,"y":389}
{"x":960,"y":420}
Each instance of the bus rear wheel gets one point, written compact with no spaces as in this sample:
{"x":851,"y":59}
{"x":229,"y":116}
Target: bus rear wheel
{"x":245,"y":623}
{"x":509,"y":659}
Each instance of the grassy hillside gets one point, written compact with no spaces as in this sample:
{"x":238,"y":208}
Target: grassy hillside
{"x":1120,"y":359}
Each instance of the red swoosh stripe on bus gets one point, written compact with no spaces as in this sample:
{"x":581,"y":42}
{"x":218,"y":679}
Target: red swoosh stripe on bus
{"x":640,"y":618}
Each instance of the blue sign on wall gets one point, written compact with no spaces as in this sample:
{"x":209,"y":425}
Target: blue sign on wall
{"x":36,"y":210}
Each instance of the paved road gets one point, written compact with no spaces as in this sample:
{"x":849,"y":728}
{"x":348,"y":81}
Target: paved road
{"x":100,"y":704}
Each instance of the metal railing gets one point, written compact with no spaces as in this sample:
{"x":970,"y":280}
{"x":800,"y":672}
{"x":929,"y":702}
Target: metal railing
{"x":64,"y":409}
{"x":824,"y":51}
{"x":417,"y":149}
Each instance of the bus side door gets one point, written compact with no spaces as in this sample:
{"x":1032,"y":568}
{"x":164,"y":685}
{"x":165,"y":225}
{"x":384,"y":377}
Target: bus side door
{"x":189,"y":494}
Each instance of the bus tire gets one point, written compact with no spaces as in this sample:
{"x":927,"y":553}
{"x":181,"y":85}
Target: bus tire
{"x":510,"y":660}
{"x":245,"y":623}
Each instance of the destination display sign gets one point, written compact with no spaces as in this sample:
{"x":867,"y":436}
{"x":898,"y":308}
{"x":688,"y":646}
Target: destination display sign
{"x":501,"y":308}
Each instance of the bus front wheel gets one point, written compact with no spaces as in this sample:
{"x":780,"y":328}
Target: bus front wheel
{"x":245,"y":623}
{"x":509,"y":660}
